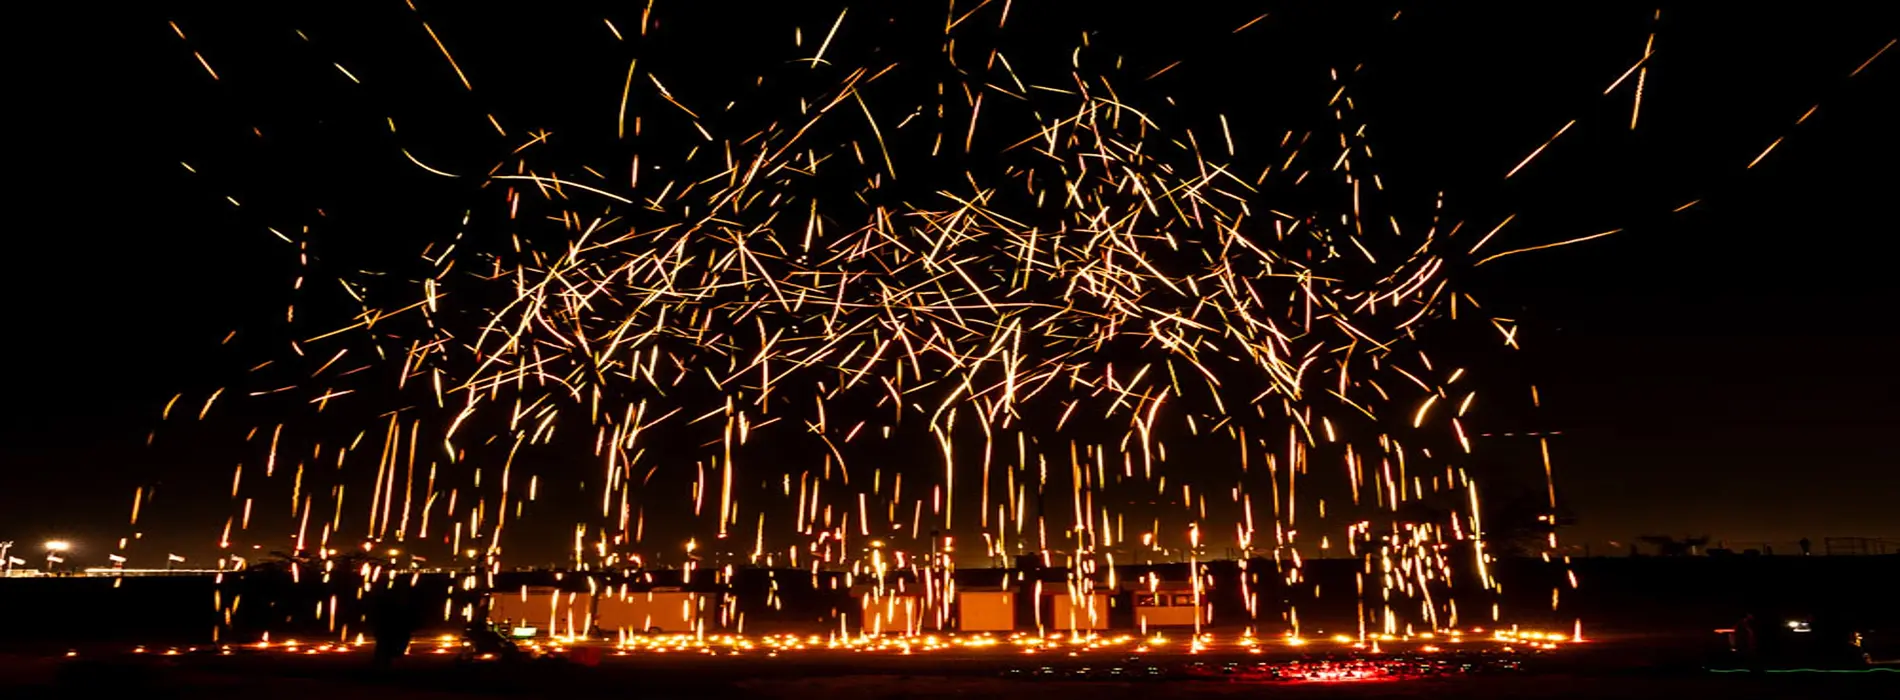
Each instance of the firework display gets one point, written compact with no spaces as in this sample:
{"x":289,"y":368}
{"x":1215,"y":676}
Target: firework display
{"x":891,"y":317}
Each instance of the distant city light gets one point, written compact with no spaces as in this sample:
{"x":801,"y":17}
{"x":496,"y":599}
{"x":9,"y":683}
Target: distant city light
{"x":58,"y":546}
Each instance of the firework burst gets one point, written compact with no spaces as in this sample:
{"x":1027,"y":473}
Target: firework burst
{"x":893,"y":315}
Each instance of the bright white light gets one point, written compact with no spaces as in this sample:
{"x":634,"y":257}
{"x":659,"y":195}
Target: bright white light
{"x":58,"y":546}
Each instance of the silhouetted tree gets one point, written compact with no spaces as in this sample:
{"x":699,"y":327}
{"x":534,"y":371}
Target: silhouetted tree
{"x":1521,"y":523}
{"x":1669,"y":546}
{"x":281,"y":562}
{"x":1517,"y":522}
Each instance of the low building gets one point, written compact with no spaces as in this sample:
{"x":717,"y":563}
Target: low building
{"x":545,"y":609}
{"x":888,"y":610}
{"x":1165,"y":604}
{"x":655,"y":609}
{"x":1085,"y":612}
{"x":986,"y":610}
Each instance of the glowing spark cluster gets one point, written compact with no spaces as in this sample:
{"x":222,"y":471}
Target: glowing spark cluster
{"x":1044,"y":313}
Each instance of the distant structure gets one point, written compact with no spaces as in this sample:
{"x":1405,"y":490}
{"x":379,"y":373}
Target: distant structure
{"x":1667,"y":546}
{"x":1855,"y":546}
{"x":1671,"y":546}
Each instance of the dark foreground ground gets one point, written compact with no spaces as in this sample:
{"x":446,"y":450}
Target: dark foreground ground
{"x":1650,"y":623}
{"x":1625,"y":668}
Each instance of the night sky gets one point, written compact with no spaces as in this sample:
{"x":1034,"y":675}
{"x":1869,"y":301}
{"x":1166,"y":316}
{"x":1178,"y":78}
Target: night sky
{"x":1726,"y":370}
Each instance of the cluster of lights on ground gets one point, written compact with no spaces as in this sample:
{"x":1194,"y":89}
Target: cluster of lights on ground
{"x":1071,"y":644}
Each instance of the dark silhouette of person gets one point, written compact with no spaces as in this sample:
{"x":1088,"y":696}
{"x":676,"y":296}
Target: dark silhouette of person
{"x":1766,"y":638}
{"x":1836,"y":636}
{"x":1744,"y":640}
{"x":484,"y":640}
{"x":394,"y":622}
{"x":1807,"y":548}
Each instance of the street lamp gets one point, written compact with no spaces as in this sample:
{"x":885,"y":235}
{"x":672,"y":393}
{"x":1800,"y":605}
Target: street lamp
{"x":53,"y":550}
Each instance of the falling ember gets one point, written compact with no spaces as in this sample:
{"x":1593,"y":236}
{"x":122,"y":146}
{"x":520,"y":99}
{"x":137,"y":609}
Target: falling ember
{"x":1540,"y":149}
{"x":1764,"y":153}
{"x":445,"y":54}
{"x":1863,"y":65}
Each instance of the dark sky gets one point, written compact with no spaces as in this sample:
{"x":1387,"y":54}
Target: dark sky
{"x":1727,"y":370}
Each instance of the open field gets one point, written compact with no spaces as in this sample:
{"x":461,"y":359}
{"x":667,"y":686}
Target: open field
{"x":1648,"y":626}
{"x":844,"y":676}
